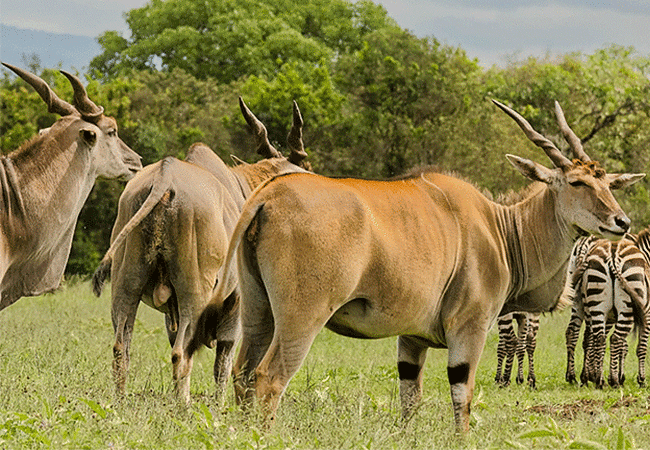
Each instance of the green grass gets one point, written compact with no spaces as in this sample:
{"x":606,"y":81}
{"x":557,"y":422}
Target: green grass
{"x":56,"y":392}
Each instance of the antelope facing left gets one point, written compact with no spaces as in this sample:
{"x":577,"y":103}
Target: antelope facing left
{"x":427,"y":258}
{"x":45,"y":183}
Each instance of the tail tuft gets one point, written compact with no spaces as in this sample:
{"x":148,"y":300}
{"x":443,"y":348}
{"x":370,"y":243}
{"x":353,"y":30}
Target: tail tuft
{"x":100,"y":275}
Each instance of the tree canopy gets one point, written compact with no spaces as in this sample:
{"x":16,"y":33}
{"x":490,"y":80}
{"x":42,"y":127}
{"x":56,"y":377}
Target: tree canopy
{"x":376,"y":100}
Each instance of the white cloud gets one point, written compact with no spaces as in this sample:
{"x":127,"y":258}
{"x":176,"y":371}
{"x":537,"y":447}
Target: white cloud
{"x":488,"y":30}
{"x":78,"y":17}
{"x":493,"y":30}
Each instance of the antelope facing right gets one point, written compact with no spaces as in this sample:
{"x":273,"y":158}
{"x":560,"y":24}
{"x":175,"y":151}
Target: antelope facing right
{"x":426,"y":257}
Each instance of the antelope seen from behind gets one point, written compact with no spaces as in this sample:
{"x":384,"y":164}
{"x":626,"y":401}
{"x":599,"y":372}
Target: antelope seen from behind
{"x":169,"y":240}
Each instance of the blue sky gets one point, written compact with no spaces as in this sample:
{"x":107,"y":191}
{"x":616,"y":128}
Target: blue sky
{"x":493,"y":31}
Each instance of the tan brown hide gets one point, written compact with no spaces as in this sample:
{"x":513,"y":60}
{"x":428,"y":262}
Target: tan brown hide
{"x":44,"y":185}
{"x":169,"y":241}
{"x":427,"y":258}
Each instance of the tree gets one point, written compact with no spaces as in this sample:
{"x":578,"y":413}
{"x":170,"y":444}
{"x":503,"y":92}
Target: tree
{"x":22,"y":111}
{"x":375,"y":99}
{"x":229,"y":39}
{"x":405,"y":88}
{"x":605,"y":99}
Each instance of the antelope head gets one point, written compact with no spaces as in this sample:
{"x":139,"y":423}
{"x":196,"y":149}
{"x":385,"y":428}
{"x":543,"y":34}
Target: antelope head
{"x":109,"y":155}
{"x":583,"y":189}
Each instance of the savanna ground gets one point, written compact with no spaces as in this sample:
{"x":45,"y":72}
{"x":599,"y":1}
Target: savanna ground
{"x":56,"y":391}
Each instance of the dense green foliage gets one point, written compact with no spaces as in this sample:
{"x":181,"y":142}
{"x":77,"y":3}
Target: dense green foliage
{"x":376,"y":100}
{"x":55,"y":376}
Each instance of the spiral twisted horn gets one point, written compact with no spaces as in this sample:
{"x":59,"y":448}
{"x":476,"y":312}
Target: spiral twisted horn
{"x":88,"y":110}
{"x":569,"y":135}
{"x":294,"y":140}
{"x":54,"y":103}
{"x":551,"y":150}
{"x":258,"y":129}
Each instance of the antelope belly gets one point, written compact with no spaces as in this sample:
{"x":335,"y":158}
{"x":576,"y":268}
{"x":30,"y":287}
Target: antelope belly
{"x":359,"y":319}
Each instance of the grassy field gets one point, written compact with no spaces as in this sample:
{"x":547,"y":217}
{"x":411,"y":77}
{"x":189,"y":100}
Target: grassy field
{"x":56,"y":392}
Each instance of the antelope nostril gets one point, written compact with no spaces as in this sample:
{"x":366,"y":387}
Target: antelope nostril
{"x":623,"y":222}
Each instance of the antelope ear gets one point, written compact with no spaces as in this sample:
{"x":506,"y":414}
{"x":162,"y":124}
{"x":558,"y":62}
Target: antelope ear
{"x":621,"y":180}
{"x":532,"y":170}
{"x":88,"y":135}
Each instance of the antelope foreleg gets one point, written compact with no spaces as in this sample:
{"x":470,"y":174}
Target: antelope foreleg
{"x":464,"y":354}
{"x":410,"y":360}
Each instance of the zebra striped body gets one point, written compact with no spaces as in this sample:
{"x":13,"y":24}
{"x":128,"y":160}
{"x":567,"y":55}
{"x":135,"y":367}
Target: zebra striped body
{"x":642,"y":301}
{"x":609,"y":289}
{"x":521,"y":343}
{"x":572,"y":295}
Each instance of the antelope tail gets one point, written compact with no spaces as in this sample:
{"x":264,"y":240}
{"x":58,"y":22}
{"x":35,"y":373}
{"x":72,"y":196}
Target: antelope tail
{"x":160,"y":186}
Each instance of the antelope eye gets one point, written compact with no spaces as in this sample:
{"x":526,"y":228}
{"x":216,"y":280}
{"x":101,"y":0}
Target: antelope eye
{"x":112,"y":132}
{"x":578,"y":183}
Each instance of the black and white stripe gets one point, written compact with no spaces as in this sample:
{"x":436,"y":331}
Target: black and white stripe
{"x":609,"y":288}
{"x":521,"y":343}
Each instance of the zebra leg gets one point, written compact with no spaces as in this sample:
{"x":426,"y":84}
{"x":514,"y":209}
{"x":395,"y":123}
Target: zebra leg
{"x":587,"y":344}
{"x":616,"y":352}
{"x":531,"y":344}
{"x":618,"y":341}
{"x":522,"y":333}
{"x":597,"y":355}
{"x":505,"y":349}
{"x":641,"y":350}
{"x":410,"y":360}
{"x":501,"y":352}
{"x":572,"y":334}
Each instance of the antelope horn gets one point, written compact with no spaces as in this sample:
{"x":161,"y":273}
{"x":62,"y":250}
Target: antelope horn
{"x":569,"y":135}
{"x":88,"y":110}
{"x":54,"y":103}
{"x":264,"y":147}
{"x":551,"y":150}
{"x":294,"y":140}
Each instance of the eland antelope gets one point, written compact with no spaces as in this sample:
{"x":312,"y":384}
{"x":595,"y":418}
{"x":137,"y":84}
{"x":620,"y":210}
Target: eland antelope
{"x":46,"y":182}
{"x":426,"y":257}
{"x":169,"y":240}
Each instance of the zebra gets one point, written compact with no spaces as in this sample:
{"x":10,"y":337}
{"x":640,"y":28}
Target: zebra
{"x":607,"y":282}
{"x":525,"y":340}
{"x":571,"y":295}
{"x":640,"y":293}
{"x":521,"y":343}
